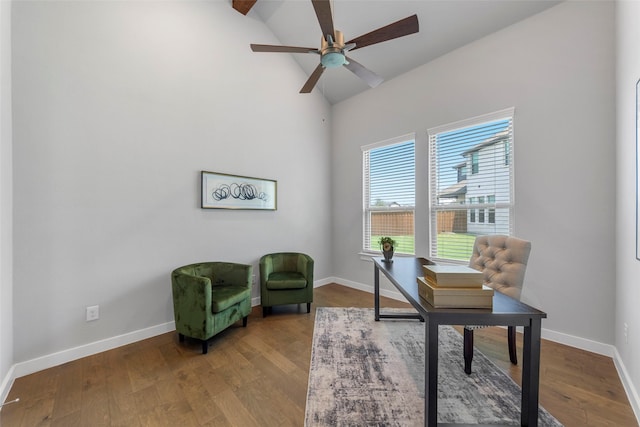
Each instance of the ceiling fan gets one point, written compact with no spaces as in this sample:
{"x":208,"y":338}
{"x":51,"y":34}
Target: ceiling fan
{"x":332,"y":49}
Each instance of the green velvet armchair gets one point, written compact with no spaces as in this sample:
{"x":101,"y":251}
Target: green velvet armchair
{"x":209,"y":297}
{"x":285,"y":278}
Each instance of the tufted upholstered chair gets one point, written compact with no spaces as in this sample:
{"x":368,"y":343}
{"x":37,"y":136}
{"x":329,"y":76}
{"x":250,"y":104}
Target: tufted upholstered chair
{"x":208,"y":297}
{"x":503,"y":261}
{"x":285,"y":278}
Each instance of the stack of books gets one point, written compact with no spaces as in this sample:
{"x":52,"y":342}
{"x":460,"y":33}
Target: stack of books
{"x":454,"y":286}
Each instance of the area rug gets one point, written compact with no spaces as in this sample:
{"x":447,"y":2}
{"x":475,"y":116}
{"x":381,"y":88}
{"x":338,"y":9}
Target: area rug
{"x":367,"y":373}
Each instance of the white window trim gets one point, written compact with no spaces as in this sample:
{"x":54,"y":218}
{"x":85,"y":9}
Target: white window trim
{"x":390,"y":141}
{"x":497,"y":115}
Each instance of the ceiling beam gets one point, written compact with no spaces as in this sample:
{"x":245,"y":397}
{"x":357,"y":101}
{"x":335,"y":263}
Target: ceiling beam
{"x":243,"y":6}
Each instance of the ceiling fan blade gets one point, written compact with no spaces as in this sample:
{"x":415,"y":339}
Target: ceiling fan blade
{"x":290,"y":49}
{"x":369,"y":77}
{"x":243,"y":6}
{"x":323,"y":12}
{"x":401,"y":28}
{"x":313,"y":79}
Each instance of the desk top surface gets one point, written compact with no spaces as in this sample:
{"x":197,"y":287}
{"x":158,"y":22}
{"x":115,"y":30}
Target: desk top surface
{"x":403,"y":273}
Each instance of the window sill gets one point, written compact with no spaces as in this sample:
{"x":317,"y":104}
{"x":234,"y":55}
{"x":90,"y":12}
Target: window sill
{"x":366,"y":256}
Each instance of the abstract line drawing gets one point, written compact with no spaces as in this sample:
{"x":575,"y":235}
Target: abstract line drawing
{"x":242,"y":191}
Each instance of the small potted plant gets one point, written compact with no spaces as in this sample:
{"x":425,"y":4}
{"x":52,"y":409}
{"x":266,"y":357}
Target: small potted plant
{"x":387,"y":244}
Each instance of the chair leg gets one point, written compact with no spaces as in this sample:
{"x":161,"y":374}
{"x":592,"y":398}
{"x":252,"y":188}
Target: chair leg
{"x":308,"y":307}
{"x":468,"y":350}
{"x":511,"y":338}
{"x":205,"y":346}
{"x":244,"y":321}
{"x":264,"y":311}
{"x":180,"y":337}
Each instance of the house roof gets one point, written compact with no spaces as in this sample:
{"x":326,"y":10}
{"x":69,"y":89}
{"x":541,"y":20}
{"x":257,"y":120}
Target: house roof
{"x":455,"y":190}
{"x":498,"y":137}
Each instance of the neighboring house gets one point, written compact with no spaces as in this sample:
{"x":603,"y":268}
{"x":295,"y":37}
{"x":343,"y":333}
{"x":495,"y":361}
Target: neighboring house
{"x":480,"y":179}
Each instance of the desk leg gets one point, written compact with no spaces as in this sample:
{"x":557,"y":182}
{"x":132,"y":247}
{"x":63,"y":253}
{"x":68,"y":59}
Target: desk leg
{"x":376,"y":291}
{"x":531,"y":374}
{"x":430,"y":373}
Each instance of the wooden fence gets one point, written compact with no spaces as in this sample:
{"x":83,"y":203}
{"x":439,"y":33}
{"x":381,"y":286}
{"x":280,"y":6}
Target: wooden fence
{"x":452,"y":221}
{"x":401,"y":223}
{"x":392,"y":223}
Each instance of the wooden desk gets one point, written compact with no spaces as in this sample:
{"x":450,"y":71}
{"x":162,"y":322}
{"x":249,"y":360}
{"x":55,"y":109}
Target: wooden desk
{"x":404,"y":271}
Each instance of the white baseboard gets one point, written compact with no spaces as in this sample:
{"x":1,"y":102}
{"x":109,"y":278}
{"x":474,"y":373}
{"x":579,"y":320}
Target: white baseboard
{"x":629,"y":388}
{"x":49,"y":361}
{"x":577,"y":342}
{"x":7,"y":383}
{"x":64,"y":356}
{"x":44,"y":362}
{"x":322,"y":282}
{"x":559,"y":337}
{"x":369,"y":288}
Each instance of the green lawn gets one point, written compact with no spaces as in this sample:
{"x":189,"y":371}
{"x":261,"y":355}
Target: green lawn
{"x":455,"y":246}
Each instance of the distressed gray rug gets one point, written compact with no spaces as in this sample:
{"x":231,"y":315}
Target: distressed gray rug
{"x":367,"y":373}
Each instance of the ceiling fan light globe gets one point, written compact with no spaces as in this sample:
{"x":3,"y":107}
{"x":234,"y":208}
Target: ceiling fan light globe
{"x":332,"y":60}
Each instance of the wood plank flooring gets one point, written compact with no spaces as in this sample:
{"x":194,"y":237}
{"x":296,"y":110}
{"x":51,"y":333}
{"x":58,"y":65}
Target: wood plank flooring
{"x":257,"y":376}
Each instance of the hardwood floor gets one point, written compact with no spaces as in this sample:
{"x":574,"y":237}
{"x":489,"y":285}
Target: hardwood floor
{"x":257,"y":376}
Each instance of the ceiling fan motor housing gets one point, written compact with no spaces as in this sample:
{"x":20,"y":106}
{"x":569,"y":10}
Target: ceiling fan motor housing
{"x":332,"y":51}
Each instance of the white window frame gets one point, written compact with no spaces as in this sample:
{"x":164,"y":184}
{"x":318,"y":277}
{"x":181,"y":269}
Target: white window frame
{"x":507,"y":113}
{"x":366,"y":208}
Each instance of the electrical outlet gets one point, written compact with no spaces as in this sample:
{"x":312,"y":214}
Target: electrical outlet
{"x":253,"y":279}
{"x":93,"y":313}
{"x":626,"y":333}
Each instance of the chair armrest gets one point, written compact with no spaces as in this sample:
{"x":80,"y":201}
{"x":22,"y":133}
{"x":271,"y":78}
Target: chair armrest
{"x":191,"y":288}
{"x":248,"y":275}
{"x":191,"y":302}
{"x":305,"y":266}
{"x":266,"y":268}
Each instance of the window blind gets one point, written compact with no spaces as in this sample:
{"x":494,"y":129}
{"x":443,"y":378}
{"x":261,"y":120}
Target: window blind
{"x":389,"y":194}
{"x":471,"y":183}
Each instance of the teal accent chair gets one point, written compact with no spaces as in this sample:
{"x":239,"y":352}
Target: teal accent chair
{"x":209,"y":297}
{"x":285,"y":278}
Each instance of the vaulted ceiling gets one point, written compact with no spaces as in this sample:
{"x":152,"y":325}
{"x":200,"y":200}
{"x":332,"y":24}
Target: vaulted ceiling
{"x":445,"y":25}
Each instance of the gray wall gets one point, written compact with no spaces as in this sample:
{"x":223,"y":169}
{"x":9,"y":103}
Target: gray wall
{"x":6,"y":205}
{"x":117,"y":107}
{"x":628,"y":267}
{"x":557,"y":69}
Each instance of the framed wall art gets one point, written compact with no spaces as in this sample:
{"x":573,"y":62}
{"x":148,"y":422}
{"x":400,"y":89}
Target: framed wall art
{"x":224,"y":191}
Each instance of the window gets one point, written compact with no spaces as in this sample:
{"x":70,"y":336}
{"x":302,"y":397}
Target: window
{"x":481,"y":210}
{"x":389,"y":193}
{"x":492,"y":212}
{"x":475,"y":165}
{"x":472,"y":212}
{"x":464,"y":206}
{"x":462,"y":172}
{"x":507,"y":153}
